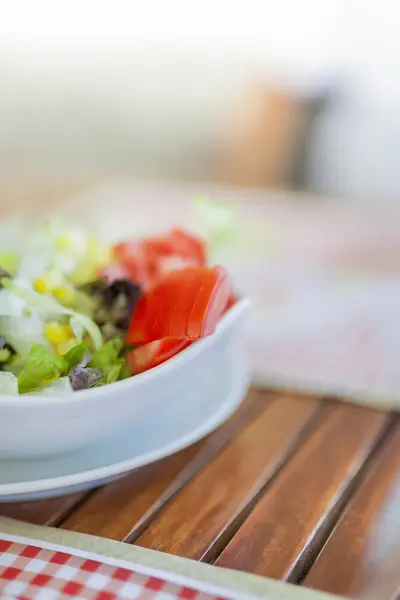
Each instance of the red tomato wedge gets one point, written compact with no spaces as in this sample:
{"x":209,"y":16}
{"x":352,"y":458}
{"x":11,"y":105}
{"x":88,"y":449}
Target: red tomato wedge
{"x":148,"y":259}
{"x":231,"y":302}
{"x":150,"y":355}
{"x":134,"y":258}
{"x":178,"y":242}
{"x":185,"y":304}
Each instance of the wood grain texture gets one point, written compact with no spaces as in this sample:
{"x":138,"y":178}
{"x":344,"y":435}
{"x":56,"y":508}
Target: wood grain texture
{"x":122,"y":509}
{"x":42,"y":512}
{"x":197,"y":523}
{"x":362,"y":557}
{"x":289,"y":525}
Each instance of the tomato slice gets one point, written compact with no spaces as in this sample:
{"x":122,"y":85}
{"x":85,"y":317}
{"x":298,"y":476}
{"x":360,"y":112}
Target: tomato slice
{"x":188,"y":246}
{"x":173,"y":263}
{"x":178,"y":242}
{"x":150,"y":355}
{"x":134,"y":258}
{"x":148,"y":259}
{"x":185,"y":304}
{"x":231,"y":302}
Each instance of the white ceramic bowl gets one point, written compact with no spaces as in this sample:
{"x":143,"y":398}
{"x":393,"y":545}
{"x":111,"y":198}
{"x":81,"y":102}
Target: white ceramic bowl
{"x":33,"y":426}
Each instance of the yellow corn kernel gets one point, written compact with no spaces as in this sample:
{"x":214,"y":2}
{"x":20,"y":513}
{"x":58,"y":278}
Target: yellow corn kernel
{"x":42,"y":285}
{"x":65,"y":294}
{"x":57,"y":333}
{"x":63,"y":242}
{"x":50,"y":280}
{"x":63,"y":348}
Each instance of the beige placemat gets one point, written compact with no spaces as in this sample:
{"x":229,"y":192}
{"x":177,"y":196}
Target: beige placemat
{"x":244,"y":583}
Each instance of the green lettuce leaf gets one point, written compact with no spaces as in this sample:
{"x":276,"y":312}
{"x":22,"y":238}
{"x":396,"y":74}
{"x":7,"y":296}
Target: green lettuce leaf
{"x":113,"y":373}
{"x":218,"y":221}
{"x":108,"y":360}
{"x":124,"y":372}
{"x":76,"y":356}
{"x":5,"y":355}
{"x":41,"y":366}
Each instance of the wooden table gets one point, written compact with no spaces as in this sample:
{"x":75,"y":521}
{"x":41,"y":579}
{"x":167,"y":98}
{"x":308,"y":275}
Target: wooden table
{"x":300,"y":489}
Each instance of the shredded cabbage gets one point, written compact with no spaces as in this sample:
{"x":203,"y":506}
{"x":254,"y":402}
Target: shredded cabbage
{"x":22,"y":332}
{"x":50,"y":306}
{"x":59,"y":386}
{"x":8,"y":383}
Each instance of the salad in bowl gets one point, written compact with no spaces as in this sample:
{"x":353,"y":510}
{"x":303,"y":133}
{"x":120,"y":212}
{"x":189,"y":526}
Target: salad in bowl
{"x":78,"y":313}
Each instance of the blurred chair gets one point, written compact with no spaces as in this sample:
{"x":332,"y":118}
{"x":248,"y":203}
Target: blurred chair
{"x":263,"y":147}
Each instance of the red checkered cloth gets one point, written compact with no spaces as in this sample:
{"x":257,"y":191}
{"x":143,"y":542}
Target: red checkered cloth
{"x":32,"y":572}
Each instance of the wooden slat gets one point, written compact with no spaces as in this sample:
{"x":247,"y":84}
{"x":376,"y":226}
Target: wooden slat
{"x":362,"y":557}
{"x":122,"y":509}
{"x":289,"y":525}
{"x":198,"y":521}
{"x":42,"y":512}
{"x":117,"y":508}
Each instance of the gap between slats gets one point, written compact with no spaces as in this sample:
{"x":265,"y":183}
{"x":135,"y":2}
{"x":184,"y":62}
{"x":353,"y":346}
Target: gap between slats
{"x":310,"y":555}
{"x":135,"y":484}
{"x":293,"y":542}
{"x":248,"y":505}
{"x":361,"y":556}
{"x":204,"y":514}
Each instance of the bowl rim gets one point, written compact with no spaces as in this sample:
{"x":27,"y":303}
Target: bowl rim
{"x":172,"y":364}
{"x":235,"y":396}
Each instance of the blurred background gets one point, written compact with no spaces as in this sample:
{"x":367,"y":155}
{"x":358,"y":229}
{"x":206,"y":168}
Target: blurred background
{"x":291,"y":95}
